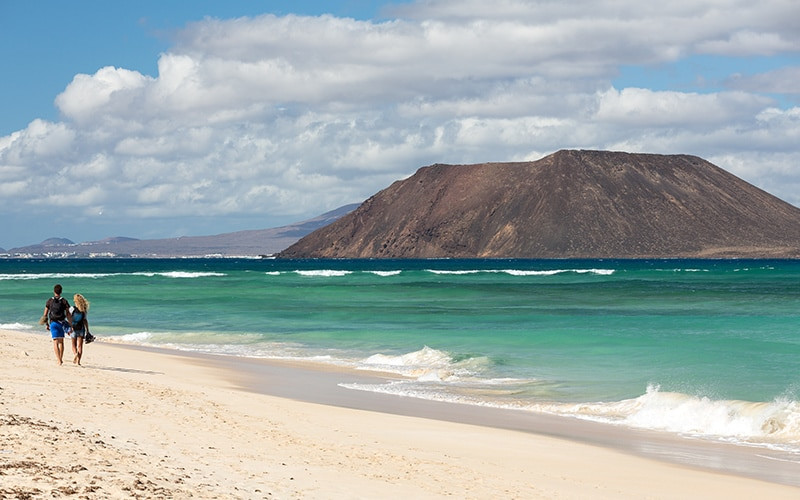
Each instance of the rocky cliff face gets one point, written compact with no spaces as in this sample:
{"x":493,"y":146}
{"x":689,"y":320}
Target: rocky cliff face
{"x":571,"y":204}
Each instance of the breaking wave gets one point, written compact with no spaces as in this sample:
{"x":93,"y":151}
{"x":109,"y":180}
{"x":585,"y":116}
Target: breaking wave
{"x":180,"y":274}
{"x":166,"y":274}
{"x":435,"y":375}
{"x":427,"y":364}
{"x":527,"y":272}
{"x":325,"y":273}
{"x":774,"y":422}
{"x":36,"y":276}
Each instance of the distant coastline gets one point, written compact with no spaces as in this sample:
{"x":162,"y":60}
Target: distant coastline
{"x":79,"y":256}
{"x":252,"y":244}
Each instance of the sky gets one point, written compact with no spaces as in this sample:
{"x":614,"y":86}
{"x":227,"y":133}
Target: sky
{"x":155,"y":119}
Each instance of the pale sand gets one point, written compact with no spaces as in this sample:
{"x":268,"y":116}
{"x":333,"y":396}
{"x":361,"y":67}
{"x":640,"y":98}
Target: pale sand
{"x":154,"y":424}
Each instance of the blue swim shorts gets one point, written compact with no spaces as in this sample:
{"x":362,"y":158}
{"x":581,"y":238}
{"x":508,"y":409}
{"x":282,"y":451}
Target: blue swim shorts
{"x":58,"y":329}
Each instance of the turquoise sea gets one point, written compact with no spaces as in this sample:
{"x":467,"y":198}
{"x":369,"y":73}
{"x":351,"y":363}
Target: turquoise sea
{"x":705,"y":348}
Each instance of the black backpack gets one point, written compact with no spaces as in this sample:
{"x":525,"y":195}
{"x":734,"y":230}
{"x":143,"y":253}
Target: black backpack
{"x":58,"y":309}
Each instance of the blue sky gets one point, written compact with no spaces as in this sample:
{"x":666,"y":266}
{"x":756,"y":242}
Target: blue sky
{"x":203,"y":117}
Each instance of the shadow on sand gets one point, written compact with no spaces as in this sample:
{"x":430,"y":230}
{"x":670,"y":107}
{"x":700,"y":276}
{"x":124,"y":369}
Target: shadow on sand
{"x":125,"y":370}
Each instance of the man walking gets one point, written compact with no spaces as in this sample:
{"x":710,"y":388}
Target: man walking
{"x":59,"y":318}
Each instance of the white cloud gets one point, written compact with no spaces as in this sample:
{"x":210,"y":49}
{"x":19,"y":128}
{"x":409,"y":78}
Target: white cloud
{"x":748,"y":43}
{"x":773,"y":172}
{"x":655,"y":109}
{"x":780,"y":81}
{"x":87,"y":95}
{"x":292,"y":116}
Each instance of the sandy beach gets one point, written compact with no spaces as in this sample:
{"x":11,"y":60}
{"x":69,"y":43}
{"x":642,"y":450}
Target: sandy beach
{"x":142,"y":423}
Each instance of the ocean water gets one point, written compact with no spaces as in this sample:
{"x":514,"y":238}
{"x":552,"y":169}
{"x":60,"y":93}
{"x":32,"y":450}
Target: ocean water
{"x":704,"y":348}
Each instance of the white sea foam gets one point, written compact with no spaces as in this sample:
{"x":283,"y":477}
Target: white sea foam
{"x":602,"y":272}
{"x":167,"y":274}
{"x":551,"y":272}
{"x":777,"y":420}
{"x":15,"y":326}
{"x":36,"y":276}
{"x":471,"y":393}
{"x":437,"y":271}
{"x":523,"y":272}
{"x":767,"y":423}
{"x":385,"y":273}
{"x":427,"y":364}
{"x":180,"y":274}
{"x":228,"y":344}
{"x":405,"y":389}
{"x":4,"y":277}
{"x":133,"y":338}
{"x":526,"y":272}
{"x":324,"y":273}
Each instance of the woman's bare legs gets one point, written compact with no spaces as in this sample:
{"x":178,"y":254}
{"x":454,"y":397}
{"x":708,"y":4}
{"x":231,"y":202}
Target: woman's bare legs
{"x":77,"y":348}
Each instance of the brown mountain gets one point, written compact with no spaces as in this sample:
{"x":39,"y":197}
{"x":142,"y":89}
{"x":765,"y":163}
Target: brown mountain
{"x":571,"y":204}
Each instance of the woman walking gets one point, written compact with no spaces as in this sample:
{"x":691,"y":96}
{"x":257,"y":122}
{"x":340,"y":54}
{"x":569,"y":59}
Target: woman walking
{"x":80,"y":326}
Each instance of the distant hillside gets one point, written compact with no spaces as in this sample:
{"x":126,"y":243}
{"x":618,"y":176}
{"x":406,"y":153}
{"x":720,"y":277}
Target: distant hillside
{"x":571,"y":204}
{"x":242,"y":243}
{"x":51,"y":242}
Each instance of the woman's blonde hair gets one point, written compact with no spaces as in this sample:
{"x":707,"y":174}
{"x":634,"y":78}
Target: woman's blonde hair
{"x":81,"y":303}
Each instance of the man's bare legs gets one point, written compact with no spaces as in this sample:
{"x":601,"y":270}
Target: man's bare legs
{"x":58,"y":348}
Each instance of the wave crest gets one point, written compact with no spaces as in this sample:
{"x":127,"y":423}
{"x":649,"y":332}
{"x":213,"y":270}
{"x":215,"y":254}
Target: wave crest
{"x":324,"y":273}
{"x":427,"y":364}
{"x":773,"y":422}
{"x":181,"y":274}
{"x":15,"y":326}
{"x":385,"y":273}
{"x":36,"y":276}
{"x":527,"y":272}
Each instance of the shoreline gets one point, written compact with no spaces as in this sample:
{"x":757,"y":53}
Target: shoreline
{"x":319,"y":383}
{"x":180,"y":424}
